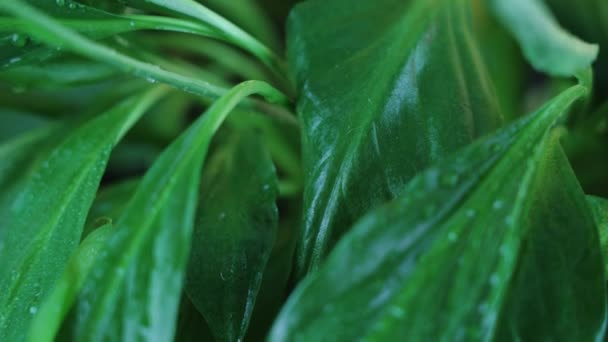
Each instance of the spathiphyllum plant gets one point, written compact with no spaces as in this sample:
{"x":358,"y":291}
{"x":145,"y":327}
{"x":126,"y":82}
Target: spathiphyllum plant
{"x":320,"y":170}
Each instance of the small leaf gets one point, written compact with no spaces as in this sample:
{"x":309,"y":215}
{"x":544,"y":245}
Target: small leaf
{"x":393,"y":87}
{"x":454,"y":256}
{"x":233,"y":235}
{"x":545,"y":44}
{"x":135,"y":289}
{"x":43,"y":206}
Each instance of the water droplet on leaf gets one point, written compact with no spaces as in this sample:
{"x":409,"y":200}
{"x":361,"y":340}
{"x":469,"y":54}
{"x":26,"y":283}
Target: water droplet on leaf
{"x":19,"y":40}
{"x":498,"y":204}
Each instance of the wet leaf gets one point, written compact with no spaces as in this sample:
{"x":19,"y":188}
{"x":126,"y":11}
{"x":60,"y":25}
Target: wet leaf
{"x":43,"y":206}
{"x":135,"y":289}
{"x":234,"y":234}
{"x":479,"y":245}
{"x":393,"y":87}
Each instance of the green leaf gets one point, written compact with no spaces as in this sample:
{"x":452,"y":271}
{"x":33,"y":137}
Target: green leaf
{"x":13,"y":123}
{"x":43,"y":207}
{"x":19,"y":49}
{"x":393,"y":87}
{"x":109,"y":203}
{"x":495,"y":242}
{"x":545,"y":44}
{"x":233,"y":235}
{"x":52,"y":33}
{"x":275,"y":287}
{"x":588,"y":20}
{"x":56,"y":306}
{"x":559,"y":274}
{"x":135,"y":289}
{"x":222,"y":27}
{"x":599,"y":206}
{"x":506,"y":65}
{"x":53,"y":75}
{"x":250,"y":15}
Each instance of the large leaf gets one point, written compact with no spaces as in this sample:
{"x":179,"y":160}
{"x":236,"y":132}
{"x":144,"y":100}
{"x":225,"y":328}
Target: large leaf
{"x":43,"y":206}
{"x":135,"y":289}
{"x":496,"y":242}
{"x":234,"y":234}
{"x":393,"y":87}
{"x":545,"y":44}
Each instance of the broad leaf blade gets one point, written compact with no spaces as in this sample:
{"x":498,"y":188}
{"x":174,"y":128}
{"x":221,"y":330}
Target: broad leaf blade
{"x":43,"y":209}
{"x":457,"y":245}
{"x":556,"y":291}
{"x":135,"y":290}
{"x":234,"y":234}
{"x":545,"y":44}
{"x":393,"y":87}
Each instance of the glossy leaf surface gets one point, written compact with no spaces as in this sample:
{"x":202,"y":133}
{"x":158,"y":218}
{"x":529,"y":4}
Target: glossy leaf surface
{"x":469,"y":246}
{"x":43,"y":207}
{"x":234,"y":234}
{"x":393,"y":87}
{"x":135,"y":289}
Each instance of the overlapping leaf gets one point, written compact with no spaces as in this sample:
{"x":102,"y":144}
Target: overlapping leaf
{"x":496,"y":242}
{"x":223,"y":28}
{"x":589,"y":20}
{"x":44,"y":201}
{"x":19,"y":48}
{"x":59,"y":301}
{"x":545,"y":44}
{"x":392,"y":87}
{"x":135,"y":289}
{"x":234,"y":234}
